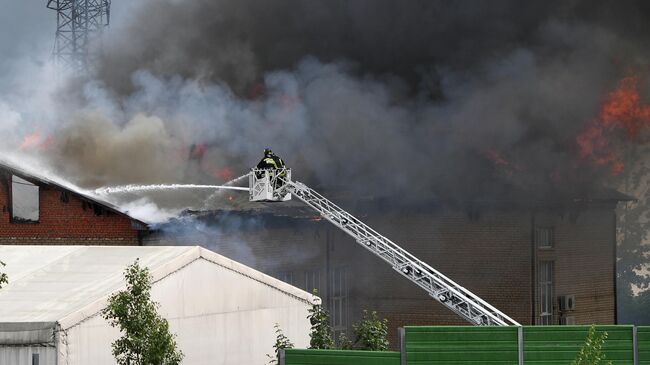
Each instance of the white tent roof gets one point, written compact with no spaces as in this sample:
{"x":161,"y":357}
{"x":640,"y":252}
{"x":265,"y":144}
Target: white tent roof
{"x":67,"y":284}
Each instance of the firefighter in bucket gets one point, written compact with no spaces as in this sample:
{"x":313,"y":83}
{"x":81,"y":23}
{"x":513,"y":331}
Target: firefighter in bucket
{"x":273,"y":163}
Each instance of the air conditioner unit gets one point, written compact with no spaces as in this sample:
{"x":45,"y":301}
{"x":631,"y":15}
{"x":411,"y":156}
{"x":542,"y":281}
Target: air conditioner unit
{"x":567,"y":303}
{"x":568,"y":321}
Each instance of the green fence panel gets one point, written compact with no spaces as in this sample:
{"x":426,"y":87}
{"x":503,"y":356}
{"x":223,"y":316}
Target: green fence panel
{"x":336,"y":357}
{"x":559,"y":345}
{"x":458,"y":345}
{"x":643,"y":340}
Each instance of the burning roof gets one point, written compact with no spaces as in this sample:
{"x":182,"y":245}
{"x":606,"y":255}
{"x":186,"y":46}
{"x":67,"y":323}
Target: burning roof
{"x":9,"y":165}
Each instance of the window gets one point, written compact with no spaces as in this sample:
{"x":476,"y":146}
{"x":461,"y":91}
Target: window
{"x":24,"y":201}
{"x":545,"y":292}
{"x":339,"y":301}
{"x":544,"y":237}
{"x":312,"y":281}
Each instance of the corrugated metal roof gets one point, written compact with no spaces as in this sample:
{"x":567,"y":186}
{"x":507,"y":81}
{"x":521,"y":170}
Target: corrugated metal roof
{"x":68,"y":284}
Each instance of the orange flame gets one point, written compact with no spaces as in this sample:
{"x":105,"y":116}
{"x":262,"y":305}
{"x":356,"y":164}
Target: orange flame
{"x":621,"y":111}
{"x":30,"y":140}
{"x":225,"y":173}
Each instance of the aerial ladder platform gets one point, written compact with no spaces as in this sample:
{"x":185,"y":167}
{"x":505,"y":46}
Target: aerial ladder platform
{"x":277,"y":186}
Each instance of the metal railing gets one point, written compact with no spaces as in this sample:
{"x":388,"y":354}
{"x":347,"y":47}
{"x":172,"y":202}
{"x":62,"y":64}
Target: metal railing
{"x":450,"y":294}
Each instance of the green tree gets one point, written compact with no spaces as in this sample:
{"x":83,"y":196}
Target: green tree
{"x":592,"y":351}
{"x":371,"y":332}
{"x":146,"y":339}
{"x":281,"y":342}
{"x":344,"y":343}
{"x":3,"y":277}
{"x":321,"y":332}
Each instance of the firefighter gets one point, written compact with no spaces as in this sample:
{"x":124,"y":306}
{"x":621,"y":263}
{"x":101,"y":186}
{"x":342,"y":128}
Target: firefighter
{"x":273,"y":163}
{"x":268,"y":162}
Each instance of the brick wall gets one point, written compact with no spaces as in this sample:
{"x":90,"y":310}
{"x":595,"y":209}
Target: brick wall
{"x":64,"y":223}
{"x":584,"y":258}
{"x":490,"y":254}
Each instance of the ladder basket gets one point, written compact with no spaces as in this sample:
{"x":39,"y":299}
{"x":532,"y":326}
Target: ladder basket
{"x":269,"y":185}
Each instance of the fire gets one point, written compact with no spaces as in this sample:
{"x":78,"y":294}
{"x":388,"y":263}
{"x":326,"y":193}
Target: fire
{"x":501,"y":163}
{"x":225,"y":173}
{"x":622,"y":111}
{"x":197,"y":151}
{"x":30,"y":140}
{"x":35,"y":140}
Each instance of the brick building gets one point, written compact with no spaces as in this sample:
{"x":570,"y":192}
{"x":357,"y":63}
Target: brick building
{"x":37,"y":210}
{"x":522,"y":259}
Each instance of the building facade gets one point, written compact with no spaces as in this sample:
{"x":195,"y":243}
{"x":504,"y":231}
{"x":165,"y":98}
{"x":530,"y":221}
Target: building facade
{"x":36,"y":211}
{"x":543,"y":265}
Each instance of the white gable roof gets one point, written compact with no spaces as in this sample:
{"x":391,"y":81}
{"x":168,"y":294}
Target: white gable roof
{"x":67,"y":284}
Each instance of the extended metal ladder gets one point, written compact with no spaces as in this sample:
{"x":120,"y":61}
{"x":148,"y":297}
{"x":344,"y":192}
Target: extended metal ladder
{"x":455,"y":297}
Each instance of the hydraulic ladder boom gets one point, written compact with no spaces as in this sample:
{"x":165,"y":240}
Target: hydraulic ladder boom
{"x":450,"y":294}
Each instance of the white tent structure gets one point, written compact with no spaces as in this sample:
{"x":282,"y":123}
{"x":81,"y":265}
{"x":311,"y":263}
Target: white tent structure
{"x":222,"y":311}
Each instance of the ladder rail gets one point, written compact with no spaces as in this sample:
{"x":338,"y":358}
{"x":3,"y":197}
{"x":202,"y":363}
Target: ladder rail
{"x":454,"y":296}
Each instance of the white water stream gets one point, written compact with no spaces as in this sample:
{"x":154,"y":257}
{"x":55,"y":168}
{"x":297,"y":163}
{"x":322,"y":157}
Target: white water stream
{"x":132,"y":188}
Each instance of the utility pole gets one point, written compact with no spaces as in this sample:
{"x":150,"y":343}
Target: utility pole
{"x":79,"y":25}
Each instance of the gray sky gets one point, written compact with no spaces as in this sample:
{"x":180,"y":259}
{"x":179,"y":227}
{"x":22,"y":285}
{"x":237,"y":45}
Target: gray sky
{"x":27,"y":30}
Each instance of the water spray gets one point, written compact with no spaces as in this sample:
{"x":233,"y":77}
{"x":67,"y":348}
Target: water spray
{"x":132,"y":188}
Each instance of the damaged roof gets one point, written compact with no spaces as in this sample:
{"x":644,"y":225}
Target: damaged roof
{"x":41,"y":179}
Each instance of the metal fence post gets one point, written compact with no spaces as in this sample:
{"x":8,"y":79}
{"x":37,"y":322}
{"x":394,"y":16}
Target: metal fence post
{"x":401,"y":335}
{"x":635,"y":345}
{"x":520,"y":344}
{"x":281,"y":357}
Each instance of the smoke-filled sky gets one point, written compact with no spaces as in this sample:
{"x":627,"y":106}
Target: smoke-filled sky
{"x":463,"y":100}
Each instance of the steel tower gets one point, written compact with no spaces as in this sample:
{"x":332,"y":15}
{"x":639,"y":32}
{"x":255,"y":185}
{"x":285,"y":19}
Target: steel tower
{"x":79,"y":23}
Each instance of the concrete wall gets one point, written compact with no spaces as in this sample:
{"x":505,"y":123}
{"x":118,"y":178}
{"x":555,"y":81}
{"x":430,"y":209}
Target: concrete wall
{"x":74,"y":222}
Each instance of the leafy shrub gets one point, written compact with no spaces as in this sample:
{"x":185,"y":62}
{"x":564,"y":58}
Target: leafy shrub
{"x":281,"y":342}
{"x":321,"y":332}
{"x":592,"y":350}
{"x":371,"y":332}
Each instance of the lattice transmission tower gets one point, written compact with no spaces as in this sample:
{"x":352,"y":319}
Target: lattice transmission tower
{"x":79,"y":25}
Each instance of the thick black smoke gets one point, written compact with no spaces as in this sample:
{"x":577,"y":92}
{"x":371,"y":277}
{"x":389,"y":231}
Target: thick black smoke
{"x":455,"y":100}
{"x":238,"y":42}
{"x":463,"y":100}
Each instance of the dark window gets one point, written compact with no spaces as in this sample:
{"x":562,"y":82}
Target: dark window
{"x":24,"y":201}
{"x":544,"y":237}
{"x":339,"y":301}
{"x":312,"y":281}
{"x":545,"y":292}
{"x":35,"y":359}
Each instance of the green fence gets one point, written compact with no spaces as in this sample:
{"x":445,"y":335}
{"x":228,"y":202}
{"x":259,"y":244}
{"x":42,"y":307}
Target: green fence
{"x":643,"y":341}
{"x":335,"y":357}
{"x":461,"y":345}
{"x":559,"y":345}
{"x":456,"y":345}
